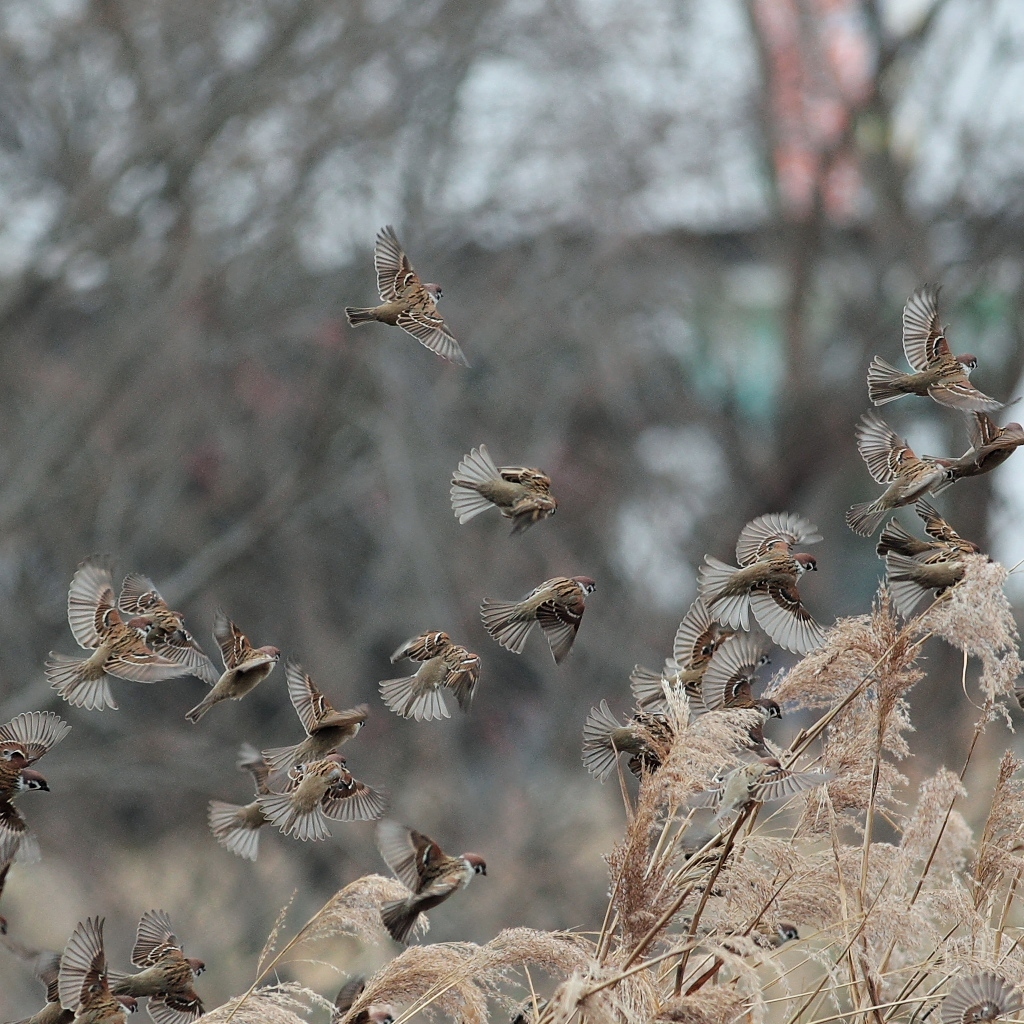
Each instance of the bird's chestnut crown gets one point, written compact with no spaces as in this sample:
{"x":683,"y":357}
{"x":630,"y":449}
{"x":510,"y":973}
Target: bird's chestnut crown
{"x":968,"y":361}
{"x":588,"y":585}
{"x":807,"y":563}
{"x":476,"y":862}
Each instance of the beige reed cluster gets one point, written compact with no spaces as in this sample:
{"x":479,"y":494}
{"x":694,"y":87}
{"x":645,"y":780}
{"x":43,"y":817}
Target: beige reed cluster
{"x":702,"y":910}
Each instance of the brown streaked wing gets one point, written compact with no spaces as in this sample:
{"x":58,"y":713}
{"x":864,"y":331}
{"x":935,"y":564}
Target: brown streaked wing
{"x":139,"y":594}
{"x":309,"y":703}
{"x":427,"y":326}
{"x":133,"y":660}
{"x":923,"y":341}
{"x":233,"y":643}
{"x":33,"y":733}
{"x":781,"y":784}
{"x":560,"y":624}
{"x":780,"y":613}
{"x":423,"y":647}
{"x":884,"y":452}
{"x":394,"y":271}
{"x":963,"y":395}
{"x":697,"y":634}
{"x":766,"y":532}
{"x":411,"y":855}
{"x":181,"y":648}
{"x":83,"y":964}
{"x":348,"y":994}
{"x":352,"y":800}
{"x":13,"y":830}
{"x":934,"y":525}
{"x":734,"y":663}
{"x":982,"y":429}
{"x":527,"y":476}
{"x":90,"y":602}
{"x":153,"y":937}
{"x":969,"y":995}
{"x":174,"y":1008}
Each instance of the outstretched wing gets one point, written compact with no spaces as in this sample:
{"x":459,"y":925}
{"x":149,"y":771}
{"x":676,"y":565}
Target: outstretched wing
{"x":394,"y":271}
{"x":884,"y":452}
{"x":923,"y":341}
{"x":765,"y":533}
{"x":90,"y":601}
{"x":427,"y":326}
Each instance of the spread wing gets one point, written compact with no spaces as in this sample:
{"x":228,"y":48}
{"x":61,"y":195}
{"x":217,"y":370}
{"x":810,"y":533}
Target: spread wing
{"x":352,"y":800}
{"x":781,"y":784}
{"x":139,"y":594}
{"x":410,"y":854}
{"x":90,"y":602}
{"x":780,"y":613}
{"x":13,"y":831}
{"x":153,"y":938}
{"x":233,"y":643}
{"x":83,"y":964}
{"x":427,"y":326}
{"x":560,"y":624}
{"x":697,"y":636}
{"x":923,"y":341}
{"x":884,"y":452}
{"x":394,"y":271}
{"x":963,"y":395}
{"x":309,"y":703}
{"x":731,"y":666}
{"x":132,"y":659}
{"x":423,"y":647}
{"x":982,"y":429}
{"x":33,"y":733}
{"x":765,"y":533}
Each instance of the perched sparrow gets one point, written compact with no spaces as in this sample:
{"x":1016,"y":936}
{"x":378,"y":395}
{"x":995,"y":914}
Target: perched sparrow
{"x":731,"y":674}
{"x":696,"y":640}
{"x":980,"y":997}
{"x":765,"y":582}
{"x":245,"y":666}
{"x":890,"y":460}
{"x":755,"y":783}
{"x":326,"y":729}
{"x":557,"y":604}
{"x":406,"y":301}
{"x":425,"y":869}
{"x":444,"y":665}
{"x":165,"y":631}
{"x":237,"y":826}
{"x":118,"y":647}
{"x":604,"y":738}
{"x":82,"y":978}
{"x":991,"y":446}
{"x":165,"y":975}
{"x":522,"y":494}
{"x":15,"y":838}
{"x":376,"y":1013}
{"x":939,"y":374}
{"x":317,"y":791}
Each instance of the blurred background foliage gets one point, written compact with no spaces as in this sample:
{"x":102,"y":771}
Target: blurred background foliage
{"x":671,"y":236}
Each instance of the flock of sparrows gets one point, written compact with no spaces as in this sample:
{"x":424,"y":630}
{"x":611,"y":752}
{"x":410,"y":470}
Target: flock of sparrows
{"x":300,"y":788}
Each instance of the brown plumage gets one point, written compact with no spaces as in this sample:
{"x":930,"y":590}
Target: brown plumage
{"x":646,"y":738}
{"x":15,"y":837}
{"x":425,"y":869}
{"x":236,"y":826}
{"x":557,"y":604}
{"x":82,"y":979}
{"x":118,"y":647}
{"x":406,"y":301}
{"x":521,"y":493}
{"x":991,"y":446}
{"x":729,"y":678}
{"x":165,"y":631}
{"x":245,"y":666}
{"x":979,"y":997}
{"x":375,"y":1013}
{"x":326,"y":728}
{"x":756,"y":782}
{"x":937,"y":372}
{"x":443,"y":666}
{"x":765,"y":582}
{"x":316,"y":792}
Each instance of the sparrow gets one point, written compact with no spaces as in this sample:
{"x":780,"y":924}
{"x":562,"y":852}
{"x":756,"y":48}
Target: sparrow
{"x":942,"y":537}
{"x":939,"y":373}
{"x":910,"y":579}
{"x":730,"y":676}
{"x":890,"y":460}
{"x":557,"y":604}
{"x":375,"y":1013}
{"x":696,"y":640}
{"x":118,"y":647}
{"x":443,"y":665}
{"x":236,"y":826}
{"x":430,"y":875}
{"x":523,"y":494}
{"x":165,"y":631}
{"x":326,"y":729}
{"x":15,"y":838}
{"x":165,"y":974}
{"x":765,"y":582}
{"x":23,"y":741}
{"x":755,"y":783}
{"x":406,"y":301}
{"x":317,"y":791}
{"x":981,"y":997}
{"x":82,"y":979}
{"x":245,"y":666}
{"x":991,"y":446}
{"x":646,"y":738}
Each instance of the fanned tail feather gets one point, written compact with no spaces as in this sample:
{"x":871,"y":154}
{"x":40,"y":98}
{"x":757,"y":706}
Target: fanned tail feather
{"x":733,"y":609}
{"x":906,"y":593}
{"x":647,"y":687}
{"x":67,"y":676}
{"x":880,"y":382}
{"x":231,"y":831}
{"x":359,"y":315}
{"x":401,"y":696}
{"x":599,"y":753}
{"x":501,"y":619}
{"x":865,"y":518}
{"x":475,"y":469}
{"x":280,"y":811}
{"x":200,"y":709}
{"x":280,"y":759}
{"x":399,"y":918}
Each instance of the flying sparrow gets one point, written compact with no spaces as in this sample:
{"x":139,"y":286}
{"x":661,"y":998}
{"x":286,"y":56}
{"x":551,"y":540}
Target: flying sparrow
{"x":245,"y":666}
{"x":236,"y":826}
{"x":118,"y":647}
{"x":430,"y":875}
{"x":981,"y":997}
{"x":165,"y":631}
{"x":890,"y":460}
{"x":730,"y":676}
{"x":376,"y":1013}
{"x":317,"y":791}
{"x":406,"y":301}
{"x":765,"y":582}
{"x":646,"y":738}
{"x":15,"y":838}
{"x":755,"y":783}
{"x":30,"y":735}
{"x":991,"y":446}
{"x":910,"y":579}
{"x":939,"y":373}
{"x":557,"y":604}
{"x":444,"y":665}
{"x":522,"y":494}
{"x":326,"y":729}
{"x":82,"y":982}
